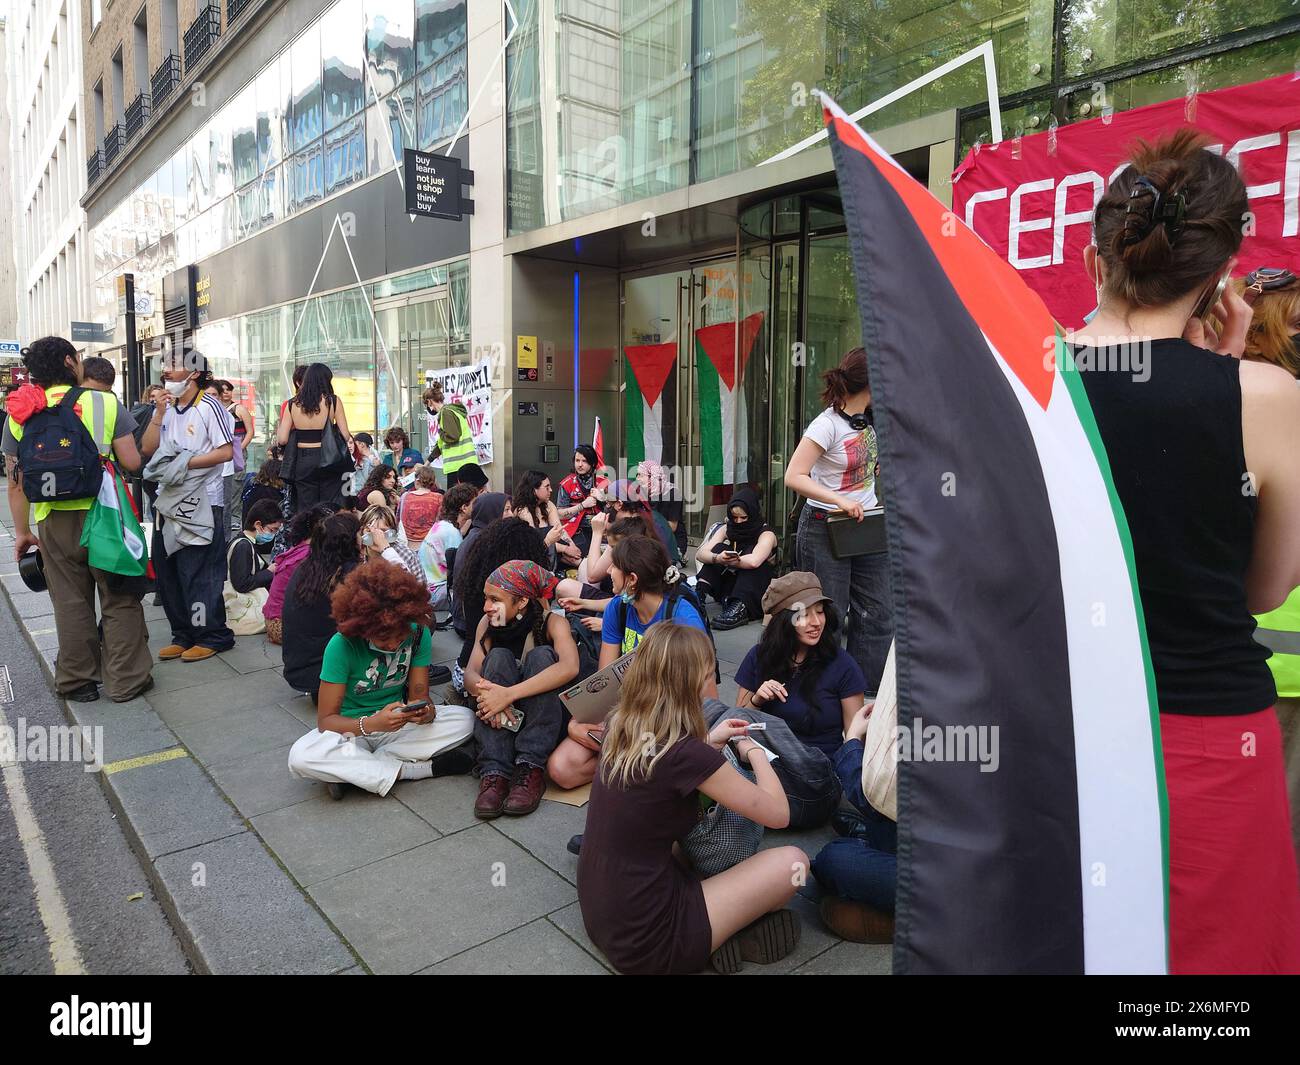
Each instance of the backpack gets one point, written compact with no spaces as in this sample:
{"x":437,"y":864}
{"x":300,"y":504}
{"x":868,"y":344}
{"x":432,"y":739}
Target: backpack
{"x":60,"y":459}
{"x":681,"y":590}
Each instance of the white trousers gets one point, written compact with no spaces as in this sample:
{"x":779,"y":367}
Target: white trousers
{"x":373,"y":762}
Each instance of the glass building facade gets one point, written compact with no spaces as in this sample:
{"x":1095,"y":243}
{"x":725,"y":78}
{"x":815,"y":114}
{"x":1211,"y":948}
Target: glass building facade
{"x":334,"y":108}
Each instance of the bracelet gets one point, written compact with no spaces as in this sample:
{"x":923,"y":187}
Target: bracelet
{"x":361,"y":723}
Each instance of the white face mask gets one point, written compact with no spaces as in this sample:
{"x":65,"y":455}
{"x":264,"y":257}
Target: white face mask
{"x":176,"y":389}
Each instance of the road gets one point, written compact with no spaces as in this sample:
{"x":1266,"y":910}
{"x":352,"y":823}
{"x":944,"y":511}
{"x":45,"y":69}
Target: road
{"x":67,"y":873}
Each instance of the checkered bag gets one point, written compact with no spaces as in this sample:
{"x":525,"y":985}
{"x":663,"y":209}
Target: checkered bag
{"x":722,"y":838}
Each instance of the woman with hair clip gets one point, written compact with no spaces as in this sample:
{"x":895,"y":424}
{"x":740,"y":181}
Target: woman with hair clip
{"x":308,"y":416}
{"x":1274,"y":336}
{"x":523,"y":655}
{"x":834,"y":468}
{"x":1202,"y":449}
{"x":646,"y":592}
{"x":578,"y":498}
{"x":659,"y":764}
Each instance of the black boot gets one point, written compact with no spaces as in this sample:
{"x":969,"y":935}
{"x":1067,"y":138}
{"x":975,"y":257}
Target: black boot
{"x":732,"y":617}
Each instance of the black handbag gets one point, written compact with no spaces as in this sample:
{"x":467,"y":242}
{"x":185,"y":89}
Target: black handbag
{"x":335,"y":458}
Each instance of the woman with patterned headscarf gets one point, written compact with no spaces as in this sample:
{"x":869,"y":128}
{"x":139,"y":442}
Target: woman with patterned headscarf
{"x":523,"y":656}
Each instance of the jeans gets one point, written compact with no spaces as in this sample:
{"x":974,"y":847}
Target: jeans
{"x":500,"y":750}
{"x":191,"y":581}
{"x":860,"y":590}
{"x":807,"y":776}
{"x":233,"y":486}
{"x":854,"y":869}
{"x":726,"y":582}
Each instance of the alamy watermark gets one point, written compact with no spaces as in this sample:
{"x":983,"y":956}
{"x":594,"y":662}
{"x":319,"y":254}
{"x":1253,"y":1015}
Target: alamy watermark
{"x":949,"y":743}
{"x":52,"y":743}
{"x":1130,"y":355}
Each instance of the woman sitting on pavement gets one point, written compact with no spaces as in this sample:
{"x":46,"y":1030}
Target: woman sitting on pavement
{"x":532,"y":502}
{"x":645,"y":910}
{"x":375,"y":723}
{"x":523,"y":655}
{"x":577,"y":499}
{"x":642,"y":598}
{"x":307,"y":623}
{"x":249,"y":572}
{"x":737,"y":562}
{"x":444,"y":538}
{"x":632,"y":499}
{"x":798,"y":671}
{"x":380,"y":488}
{"x":591,"y":592}
{"x":297,"y":539}
{"x":379,"y":540}
{"x":502,"y":541}
{"x":419,"y":508}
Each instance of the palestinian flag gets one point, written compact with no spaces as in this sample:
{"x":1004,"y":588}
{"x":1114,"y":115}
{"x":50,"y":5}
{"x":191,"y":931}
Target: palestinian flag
{"x":112,"y":535}
{"x":645,"y":372}
{"x":1016,"y":609}
{"x":719,"y":369}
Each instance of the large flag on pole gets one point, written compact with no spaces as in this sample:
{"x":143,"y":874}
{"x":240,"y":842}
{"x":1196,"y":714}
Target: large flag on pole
{"x":1018,"y":624}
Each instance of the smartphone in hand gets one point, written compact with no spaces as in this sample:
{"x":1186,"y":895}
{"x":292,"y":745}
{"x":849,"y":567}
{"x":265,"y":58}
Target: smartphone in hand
{"x":413,"y":708}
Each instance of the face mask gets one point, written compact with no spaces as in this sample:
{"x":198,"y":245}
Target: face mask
{"x":176,"y":389}
{"x":628,"y":597}
{"x":384,"y":650}
{"x":1295,"y":341}
{"x":264,"y":537}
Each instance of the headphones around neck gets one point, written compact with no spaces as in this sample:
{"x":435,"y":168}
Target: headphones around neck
{"x":857,"y":421}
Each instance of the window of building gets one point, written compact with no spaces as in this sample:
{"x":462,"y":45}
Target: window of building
{"x":343,"y":59}
{"x":140,"y":51}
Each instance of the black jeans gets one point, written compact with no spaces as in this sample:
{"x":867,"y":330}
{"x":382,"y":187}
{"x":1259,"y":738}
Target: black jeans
{"x":747,"y":585}
{"x":500,"y":750}
{"x":191,"y":581}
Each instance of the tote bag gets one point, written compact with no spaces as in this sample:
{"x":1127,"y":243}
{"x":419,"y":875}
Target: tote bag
{"x":880,"y":746}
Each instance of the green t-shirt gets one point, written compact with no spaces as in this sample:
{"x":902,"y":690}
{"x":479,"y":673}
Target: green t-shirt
{"x":372,"y":678}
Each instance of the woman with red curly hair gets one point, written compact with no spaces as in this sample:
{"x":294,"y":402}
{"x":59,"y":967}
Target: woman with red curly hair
{"x":375,"y":724}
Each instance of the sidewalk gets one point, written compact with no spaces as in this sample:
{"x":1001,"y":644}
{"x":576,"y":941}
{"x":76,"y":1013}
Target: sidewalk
{"x":264,"y":873}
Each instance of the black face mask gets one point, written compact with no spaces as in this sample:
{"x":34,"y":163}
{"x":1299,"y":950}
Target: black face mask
{"x":1295,"y":342}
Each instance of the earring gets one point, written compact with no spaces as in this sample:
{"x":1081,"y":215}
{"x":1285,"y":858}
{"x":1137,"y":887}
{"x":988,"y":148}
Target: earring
{"x":519,"y":616}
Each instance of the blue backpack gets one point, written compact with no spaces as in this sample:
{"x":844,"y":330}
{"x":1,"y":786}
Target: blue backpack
{"x":59,"y":458}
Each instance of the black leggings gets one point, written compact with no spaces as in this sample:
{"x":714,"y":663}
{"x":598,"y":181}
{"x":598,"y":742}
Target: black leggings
{"x":747,"y":585}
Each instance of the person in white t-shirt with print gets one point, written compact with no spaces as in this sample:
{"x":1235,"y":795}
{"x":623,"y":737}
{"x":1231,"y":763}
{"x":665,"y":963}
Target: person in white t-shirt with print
{"x":191,"y":579}
{"x":834,"y":469}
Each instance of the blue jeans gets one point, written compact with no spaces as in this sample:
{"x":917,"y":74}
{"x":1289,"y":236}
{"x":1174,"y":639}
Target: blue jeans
{"x":500,"y":750}
{"x":853,"y":869}
{"x":860,"y":589}
{"x":190,"y":582}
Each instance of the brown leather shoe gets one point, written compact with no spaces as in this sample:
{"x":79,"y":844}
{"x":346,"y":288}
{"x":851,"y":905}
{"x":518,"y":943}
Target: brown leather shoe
{"x":492,"y":792}
{"x":172,"y":650}
{"x":525,"y":791}
{"x":197,"y":654}
{"x":856,"y":921}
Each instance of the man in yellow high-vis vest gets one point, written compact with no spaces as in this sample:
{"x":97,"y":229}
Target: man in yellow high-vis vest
{"x":122,"y":659}
{"x":1279,"y":630}
{"x":453,"y":441}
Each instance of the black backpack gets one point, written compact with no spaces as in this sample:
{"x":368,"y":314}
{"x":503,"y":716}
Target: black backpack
{"x":678,"y":591}
{"x":59,"y":458}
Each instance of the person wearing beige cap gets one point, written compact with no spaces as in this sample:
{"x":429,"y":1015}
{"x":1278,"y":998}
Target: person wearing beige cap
{"x":798,"y":671}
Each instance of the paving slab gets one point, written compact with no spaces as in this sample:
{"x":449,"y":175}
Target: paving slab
{"x":261,"y":782}
{"x":545,"y":834}
{"x":536,"y":949}
{"x":300,"y":706}
{"x":231,"y":694}
{"x":172,"y":805}
{"x":851,"y":959}
{"x":446,"y":803}
{"x":130,"y":729}
{"x":176,"y":675}
{"x":569,"y":921}
{"x":244,"y":916}
{"x":239,"y":733}
{"x":252,"y":654}
{"x":321,"y":838}
{"x":447,"y":897}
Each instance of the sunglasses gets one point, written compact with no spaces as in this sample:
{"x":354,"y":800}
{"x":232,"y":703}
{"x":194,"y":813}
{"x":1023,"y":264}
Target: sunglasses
{"x":1270,"y":279}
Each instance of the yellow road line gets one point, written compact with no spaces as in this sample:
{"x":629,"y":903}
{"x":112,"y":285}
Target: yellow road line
{"x":146,"y":759}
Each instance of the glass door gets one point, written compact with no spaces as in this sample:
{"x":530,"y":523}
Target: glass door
{"x":414,"y":334}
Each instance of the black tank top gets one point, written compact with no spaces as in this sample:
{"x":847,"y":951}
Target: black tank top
{"x":1175,"y":451}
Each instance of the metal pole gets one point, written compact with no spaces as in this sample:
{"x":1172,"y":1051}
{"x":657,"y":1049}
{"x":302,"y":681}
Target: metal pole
{"x":134,"y":368}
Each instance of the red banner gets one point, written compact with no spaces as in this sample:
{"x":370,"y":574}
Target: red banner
{"x":1032,"y":200}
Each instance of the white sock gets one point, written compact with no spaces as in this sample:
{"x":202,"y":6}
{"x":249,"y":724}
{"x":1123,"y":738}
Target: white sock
{"x":415,"y":771}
